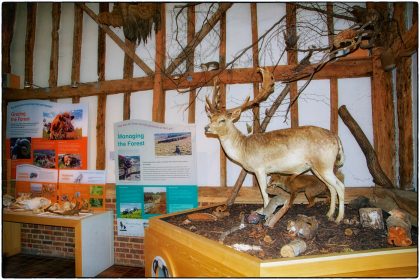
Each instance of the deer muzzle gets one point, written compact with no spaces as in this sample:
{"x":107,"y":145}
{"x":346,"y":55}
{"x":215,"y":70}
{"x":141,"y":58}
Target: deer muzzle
{"x":206,"y":128}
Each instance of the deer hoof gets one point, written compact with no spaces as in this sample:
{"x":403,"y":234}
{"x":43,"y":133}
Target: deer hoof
{"x":254,"y":218}
{"x":330,"y":218}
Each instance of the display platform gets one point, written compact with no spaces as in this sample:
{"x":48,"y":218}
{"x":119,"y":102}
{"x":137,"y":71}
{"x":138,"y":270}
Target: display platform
{"x":93,"y":237}
{"x":176,"y":252}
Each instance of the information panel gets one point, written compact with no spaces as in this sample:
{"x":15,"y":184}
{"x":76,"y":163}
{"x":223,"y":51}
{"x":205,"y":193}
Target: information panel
{"x":46,"y":134}
{"x":155,"y":172}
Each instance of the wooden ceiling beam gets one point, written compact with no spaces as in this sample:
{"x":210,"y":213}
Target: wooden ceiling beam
{"x":345,"y":68}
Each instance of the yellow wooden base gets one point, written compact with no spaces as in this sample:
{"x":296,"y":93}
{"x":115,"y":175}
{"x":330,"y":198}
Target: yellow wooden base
{"x":181,"y":253}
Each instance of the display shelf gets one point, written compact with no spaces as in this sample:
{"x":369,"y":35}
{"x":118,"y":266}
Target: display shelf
{"x":93,"y":237}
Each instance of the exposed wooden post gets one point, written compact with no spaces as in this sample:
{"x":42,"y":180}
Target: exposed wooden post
{"x":255,"y":64}
{"x":118,"y":41}
{"x":77,"y":49}
{"x":222,"y":64}
{"x":190,"y":61}
{"x":128,"y":73}
{"x":158,"y":113}
{"x":101,"y":114}
{"x":205,"y":29}
{"x":404,"y":108}
{"x":8,"y":22}
{"x":334,"y":105}
{"x":383,"y":112}
{"x":292,"y":59}
{"x":333,"y":81}
{"x":30,"y":42}
{"x":56,"y":14}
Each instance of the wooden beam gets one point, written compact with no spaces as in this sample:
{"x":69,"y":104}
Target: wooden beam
{"x":222,"y":90}
{"x":190,"y":61}
{"x":344,"y":68}
{"x":410,"y":44}
{"x":118,"y":41}
{"x":292,"y":59}
{"x":255,"y":63}
{"x":333,"y":81}
{"x":334,"y":105}
{"x":101,"y":113}
{"x":55,"y":37}
{"x":158,"y":113}
{"x":383,"y":116}
{"x":200,"y":35}
{"x":30,"y":42}
{"x":8,"y":23}
{"x":383,"y":111}
{"x":128,"y":73}
{"x":404,"y":109}
{"x":77,"y":48}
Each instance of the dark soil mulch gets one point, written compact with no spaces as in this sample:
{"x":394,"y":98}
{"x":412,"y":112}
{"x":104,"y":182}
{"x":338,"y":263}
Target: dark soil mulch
{"x":329,"y":238}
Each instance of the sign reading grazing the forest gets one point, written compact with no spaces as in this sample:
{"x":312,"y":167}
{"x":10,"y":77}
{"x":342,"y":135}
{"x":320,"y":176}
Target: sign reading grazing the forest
{"x":46,"y":134}
{"x":155,"y":172}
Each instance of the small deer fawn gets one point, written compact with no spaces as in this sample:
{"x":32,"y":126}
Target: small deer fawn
{"x":288,"y":151}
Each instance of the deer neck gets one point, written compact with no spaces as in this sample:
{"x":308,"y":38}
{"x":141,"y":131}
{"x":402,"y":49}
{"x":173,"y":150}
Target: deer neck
{"x":233,"y":142}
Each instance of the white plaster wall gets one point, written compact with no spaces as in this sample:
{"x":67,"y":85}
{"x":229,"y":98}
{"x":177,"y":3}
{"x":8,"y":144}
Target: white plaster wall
{"x":314,"y":104}
{"x":17,"y":47}
{"x":355,"y":94}
{"x":208,"y":149}
{"x":313,"y":108}
{"x":41,"y":66}
{"x":65,"y":49}
{"x":272,"y":46}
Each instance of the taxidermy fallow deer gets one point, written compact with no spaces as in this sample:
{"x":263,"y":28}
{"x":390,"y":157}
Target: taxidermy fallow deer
{"x":288,"y":151}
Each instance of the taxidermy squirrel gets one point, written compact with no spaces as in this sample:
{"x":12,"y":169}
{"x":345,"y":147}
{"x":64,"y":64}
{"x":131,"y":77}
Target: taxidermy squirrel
{"x":210,"y":66}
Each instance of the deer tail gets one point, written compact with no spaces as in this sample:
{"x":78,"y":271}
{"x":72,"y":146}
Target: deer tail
{"x":340,"y":156}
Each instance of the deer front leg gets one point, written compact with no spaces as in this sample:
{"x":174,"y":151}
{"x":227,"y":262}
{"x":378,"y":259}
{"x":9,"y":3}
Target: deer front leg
{"x":262,"y":182}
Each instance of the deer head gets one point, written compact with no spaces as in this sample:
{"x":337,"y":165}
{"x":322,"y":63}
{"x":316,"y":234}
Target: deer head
{"x":221,"y":120}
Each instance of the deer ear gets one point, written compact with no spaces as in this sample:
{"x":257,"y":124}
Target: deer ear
{"x":236,"y":114}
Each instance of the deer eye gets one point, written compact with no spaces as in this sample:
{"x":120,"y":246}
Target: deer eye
{"x":222,"y":121}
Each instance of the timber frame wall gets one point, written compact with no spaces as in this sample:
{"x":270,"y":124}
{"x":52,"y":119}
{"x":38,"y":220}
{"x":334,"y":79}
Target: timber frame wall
{"x":160,"y":81}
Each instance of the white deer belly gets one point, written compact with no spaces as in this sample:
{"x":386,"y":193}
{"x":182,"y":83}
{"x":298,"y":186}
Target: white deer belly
{"x":293,"y":164}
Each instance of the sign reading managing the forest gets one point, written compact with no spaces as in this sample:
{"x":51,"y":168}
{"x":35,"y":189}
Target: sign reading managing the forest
{"x":46,"y":134}
{"x":155,"y":172}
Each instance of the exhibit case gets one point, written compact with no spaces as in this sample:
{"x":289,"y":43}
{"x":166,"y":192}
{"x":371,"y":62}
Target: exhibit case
{"x":172,"y":251}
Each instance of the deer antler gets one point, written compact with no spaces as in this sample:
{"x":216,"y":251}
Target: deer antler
{"x":213,"y":106}
{"x":266,"y":89}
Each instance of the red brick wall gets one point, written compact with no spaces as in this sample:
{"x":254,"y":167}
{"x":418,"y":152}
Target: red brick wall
{"x":127,"y":250}
{"x":59,"y":241}
{"x":47,"y":240}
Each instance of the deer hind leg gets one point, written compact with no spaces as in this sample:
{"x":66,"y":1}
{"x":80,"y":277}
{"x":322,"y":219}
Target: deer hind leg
{"x":336,"y":188}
